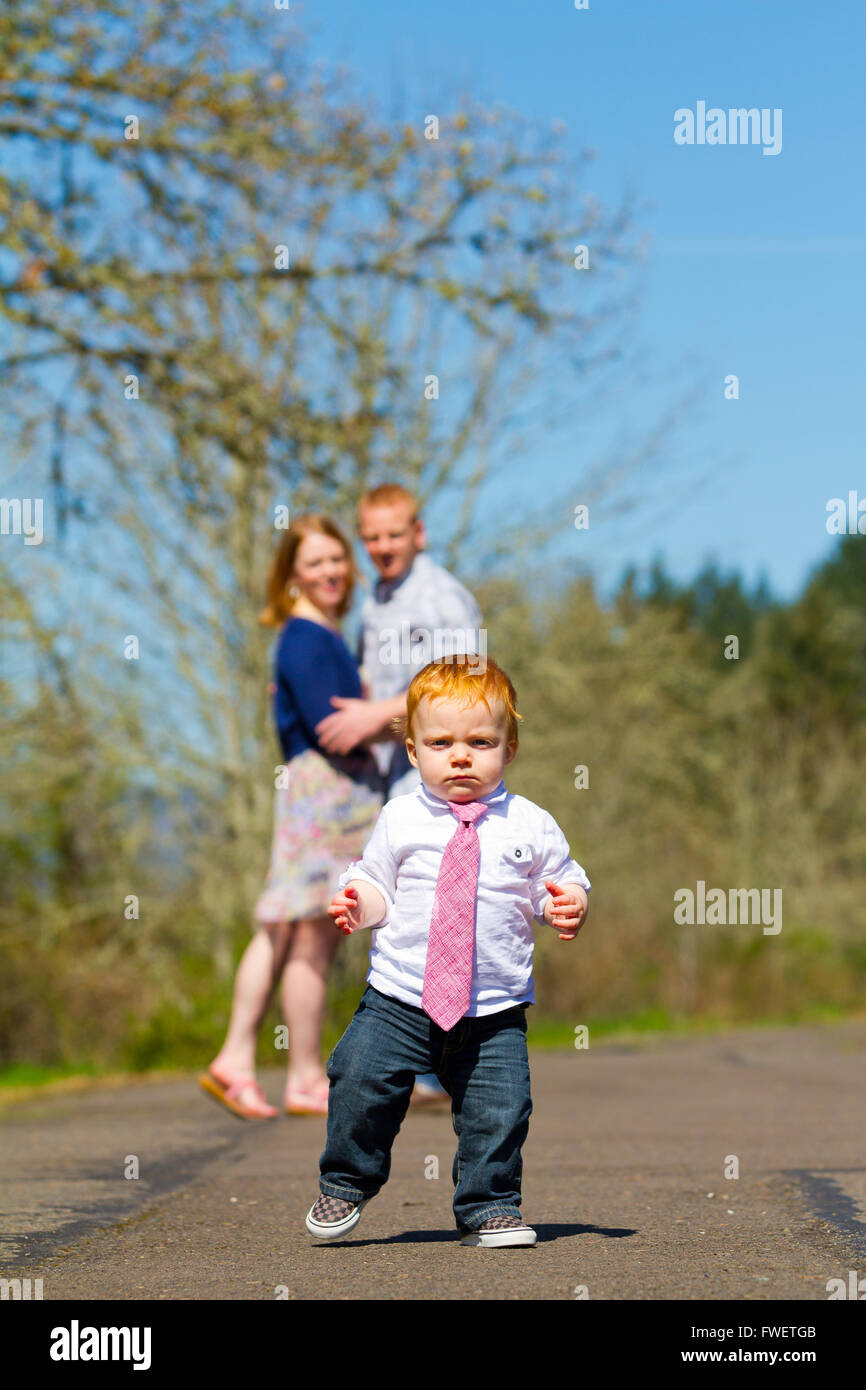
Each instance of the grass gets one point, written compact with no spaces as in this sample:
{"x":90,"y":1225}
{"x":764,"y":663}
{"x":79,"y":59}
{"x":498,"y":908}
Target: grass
{"x":652,"y":1023}
{"x":26,"y":1074}
{"x":22,"y":1080}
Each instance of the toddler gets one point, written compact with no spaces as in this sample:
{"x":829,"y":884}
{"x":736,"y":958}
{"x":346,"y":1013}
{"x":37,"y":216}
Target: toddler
{"x":451,"y":880}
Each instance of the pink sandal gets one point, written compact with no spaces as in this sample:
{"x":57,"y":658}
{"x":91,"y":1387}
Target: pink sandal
{"x":227,"y":1092}
{"x":313,"y":1102}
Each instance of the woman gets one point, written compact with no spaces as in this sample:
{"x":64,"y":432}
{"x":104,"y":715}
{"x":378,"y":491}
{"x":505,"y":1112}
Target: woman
{"x":325,"y":810}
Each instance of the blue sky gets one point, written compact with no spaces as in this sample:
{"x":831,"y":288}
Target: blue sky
{"x":755,"y":263}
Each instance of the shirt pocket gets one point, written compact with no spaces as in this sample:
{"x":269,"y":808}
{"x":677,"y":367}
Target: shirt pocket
{"x":516,"y":858}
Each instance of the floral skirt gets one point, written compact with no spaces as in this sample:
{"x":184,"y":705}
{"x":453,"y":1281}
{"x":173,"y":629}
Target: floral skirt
{"x":322,"y":820}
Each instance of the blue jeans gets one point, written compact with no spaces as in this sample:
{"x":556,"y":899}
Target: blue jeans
{"x":484,"y":1067}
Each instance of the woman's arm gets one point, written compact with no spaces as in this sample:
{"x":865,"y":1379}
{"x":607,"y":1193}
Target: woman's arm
{"x":313,"y":666}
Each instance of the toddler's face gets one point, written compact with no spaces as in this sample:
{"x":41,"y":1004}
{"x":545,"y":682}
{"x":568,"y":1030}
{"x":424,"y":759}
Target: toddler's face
{"x":461,"y":752}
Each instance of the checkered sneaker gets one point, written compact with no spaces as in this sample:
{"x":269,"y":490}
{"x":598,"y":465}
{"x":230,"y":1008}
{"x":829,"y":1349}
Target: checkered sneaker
{"x":329,"y":1210}
{"x":502,"y":1223}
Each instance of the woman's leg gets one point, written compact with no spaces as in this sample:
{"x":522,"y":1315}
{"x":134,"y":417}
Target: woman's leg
{"x":257,"y":973}
{"x":305,"y":979}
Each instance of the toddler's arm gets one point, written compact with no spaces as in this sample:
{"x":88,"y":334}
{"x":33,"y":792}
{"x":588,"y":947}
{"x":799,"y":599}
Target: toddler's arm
{"x":357,"y":905}
{"x":566,"y":908}
{"x":559,"y":886}
{"x":365,"y":894}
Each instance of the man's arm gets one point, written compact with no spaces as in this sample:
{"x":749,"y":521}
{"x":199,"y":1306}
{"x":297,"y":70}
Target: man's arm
{"x":459,"y":609}
{"x":369,"y":721}
{"x":358,"y":721}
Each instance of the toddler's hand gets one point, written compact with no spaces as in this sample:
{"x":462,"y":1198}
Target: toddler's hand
{"x":567,"y":908}
{"x":347,"y":910}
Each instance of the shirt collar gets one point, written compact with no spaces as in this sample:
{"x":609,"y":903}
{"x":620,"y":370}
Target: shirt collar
{"x":491,"y":799}
{"x":386,"y":587}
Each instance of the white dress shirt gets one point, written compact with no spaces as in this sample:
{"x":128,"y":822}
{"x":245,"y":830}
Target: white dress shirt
{"x":520,"y":844}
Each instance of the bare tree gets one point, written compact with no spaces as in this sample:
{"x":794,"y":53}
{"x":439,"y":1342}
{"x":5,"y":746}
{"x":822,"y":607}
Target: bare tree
{"x":228,"y":285}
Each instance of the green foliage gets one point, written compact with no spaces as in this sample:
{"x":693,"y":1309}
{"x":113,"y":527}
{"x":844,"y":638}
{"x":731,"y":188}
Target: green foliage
{"x":695,"y":772}
{"x":699,"y":769}
{"x":137,"y":793}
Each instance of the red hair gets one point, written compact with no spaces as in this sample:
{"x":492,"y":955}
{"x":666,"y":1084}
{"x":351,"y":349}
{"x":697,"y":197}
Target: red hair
{"x":455,"y":680}
{"x":386,"y":494}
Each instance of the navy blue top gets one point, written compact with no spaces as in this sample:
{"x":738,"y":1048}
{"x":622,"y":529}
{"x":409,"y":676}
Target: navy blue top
{"x":312,"y":663}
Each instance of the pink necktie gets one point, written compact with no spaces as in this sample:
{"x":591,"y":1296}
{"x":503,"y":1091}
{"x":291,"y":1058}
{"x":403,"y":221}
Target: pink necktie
{"x":448,"y":971}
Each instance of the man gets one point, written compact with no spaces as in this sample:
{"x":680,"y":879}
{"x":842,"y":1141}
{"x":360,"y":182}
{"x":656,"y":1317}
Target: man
{"x":417,"y":613}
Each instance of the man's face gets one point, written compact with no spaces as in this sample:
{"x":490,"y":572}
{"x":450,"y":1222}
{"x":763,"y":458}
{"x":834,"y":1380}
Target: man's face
{"x":461,"y":752}
{"x":391,"y":538}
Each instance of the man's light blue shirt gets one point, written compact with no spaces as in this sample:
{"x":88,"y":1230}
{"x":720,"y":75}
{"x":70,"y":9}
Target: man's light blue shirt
{"x":422,"y":616}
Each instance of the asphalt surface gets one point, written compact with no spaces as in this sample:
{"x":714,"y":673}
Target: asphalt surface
{"x":624,"y":1181}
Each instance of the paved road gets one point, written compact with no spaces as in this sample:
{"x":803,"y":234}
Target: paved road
{"x":624,"y":1182}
